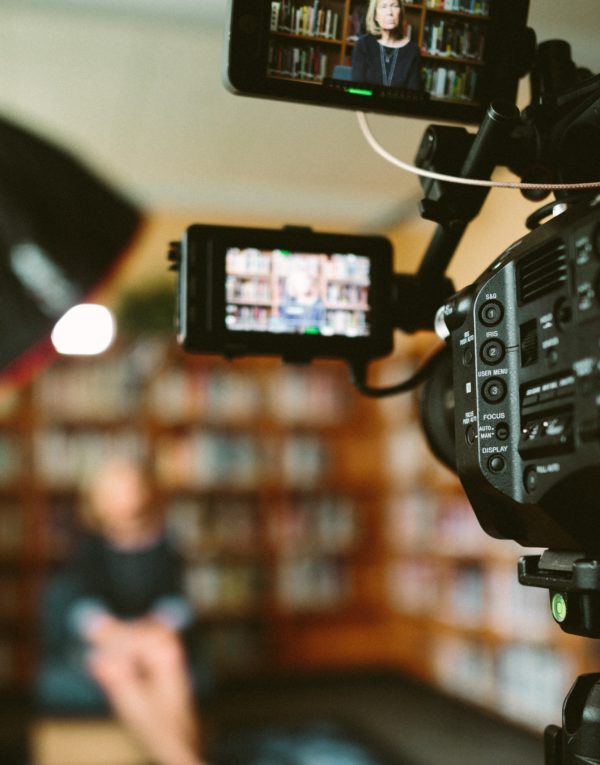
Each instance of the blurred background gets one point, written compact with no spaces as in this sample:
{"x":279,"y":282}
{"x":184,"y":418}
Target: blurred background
{"x":319,"y":533}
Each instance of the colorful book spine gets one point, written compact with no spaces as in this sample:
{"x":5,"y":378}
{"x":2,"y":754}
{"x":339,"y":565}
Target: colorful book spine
{"x":304,"y":20}
{"x":297,"y":62}
{"x":454,"y":39}
{"x":472,"y":7}
{"x":450,"y":82}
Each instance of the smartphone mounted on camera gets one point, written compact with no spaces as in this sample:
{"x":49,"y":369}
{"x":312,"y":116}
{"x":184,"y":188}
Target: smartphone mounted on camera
{"x":442,"y":59}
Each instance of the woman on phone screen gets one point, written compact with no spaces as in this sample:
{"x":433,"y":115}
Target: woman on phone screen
{"x":386,"y":55}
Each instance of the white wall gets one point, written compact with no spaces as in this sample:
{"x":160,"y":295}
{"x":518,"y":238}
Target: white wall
{"x":135,"y":87}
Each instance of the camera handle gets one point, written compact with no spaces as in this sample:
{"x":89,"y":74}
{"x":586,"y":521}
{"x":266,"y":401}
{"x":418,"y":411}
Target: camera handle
{"x":573,"y":582}
{"x":417,"y":297}
{"x":556,"y":137}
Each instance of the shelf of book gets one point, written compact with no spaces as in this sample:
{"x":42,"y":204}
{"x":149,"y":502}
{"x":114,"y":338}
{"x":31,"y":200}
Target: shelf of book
{"x":253,"y":463}
{"x":316,"y":527}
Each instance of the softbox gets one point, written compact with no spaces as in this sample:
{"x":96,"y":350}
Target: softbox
{"x":62,"y":232}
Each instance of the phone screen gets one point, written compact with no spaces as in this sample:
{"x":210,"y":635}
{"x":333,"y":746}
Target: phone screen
{"x":437,"y":50}
{"x":430,"y":58}
{"x":285,"y":292}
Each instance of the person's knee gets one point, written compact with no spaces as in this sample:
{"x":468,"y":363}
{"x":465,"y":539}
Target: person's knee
{"x":109,"y":670}
{"x":167,"y":652}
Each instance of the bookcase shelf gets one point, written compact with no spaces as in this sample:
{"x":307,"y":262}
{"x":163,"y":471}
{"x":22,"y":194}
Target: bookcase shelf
{"x":305,"y":37}
{"x":316,"y":527}
{"x":250,"y":460}
{"x":456,"y":14}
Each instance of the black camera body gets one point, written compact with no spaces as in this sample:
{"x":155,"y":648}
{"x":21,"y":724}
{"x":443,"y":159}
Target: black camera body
{"x":525,"y":341}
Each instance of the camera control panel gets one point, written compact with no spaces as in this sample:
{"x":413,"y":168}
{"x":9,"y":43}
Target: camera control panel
{"x":526,"y":372}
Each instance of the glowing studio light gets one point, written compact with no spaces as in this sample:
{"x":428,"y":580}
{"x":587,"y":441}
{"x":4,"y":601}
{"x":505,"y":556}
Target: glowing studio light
{"x":85,"y":330}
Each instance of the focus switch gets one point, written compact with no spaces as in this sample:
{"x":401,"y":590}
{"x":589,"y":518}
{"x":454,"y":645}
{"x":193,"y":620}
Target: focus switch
{"x":502,"y":431}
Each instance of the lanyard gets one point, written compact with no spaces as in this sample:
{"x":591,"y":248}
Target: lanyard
{"x":387,"y":79}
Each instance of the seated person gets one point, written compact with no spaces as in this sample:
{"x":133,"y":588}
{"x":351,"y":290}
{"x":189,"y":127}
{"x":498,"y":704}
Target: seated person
{"x":125,"y":616}
{"x":386,"y":55}
{"x":302,"y":306}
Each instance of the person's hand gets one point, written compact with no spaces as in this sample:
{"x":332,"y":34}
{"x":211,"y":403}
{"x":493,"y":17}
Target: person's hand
{"x":108,"y":632}
{"x":149,"y":633}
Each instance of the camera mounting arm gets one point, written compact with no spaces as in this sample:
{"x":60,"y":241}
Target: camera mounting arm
{"x":417,"y":297}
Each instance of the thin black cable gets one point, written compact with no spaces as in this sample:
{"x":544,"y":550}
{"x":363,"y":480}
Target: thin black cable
{"x":358,"y":374}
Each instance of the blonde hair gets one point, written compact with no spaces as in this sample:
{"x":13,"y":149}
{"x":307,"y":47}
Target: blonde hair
{"x":373,"y":27}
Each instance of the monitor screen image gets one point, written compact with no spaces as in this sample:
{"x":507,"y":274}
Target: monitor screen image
{"x":283,"y":292}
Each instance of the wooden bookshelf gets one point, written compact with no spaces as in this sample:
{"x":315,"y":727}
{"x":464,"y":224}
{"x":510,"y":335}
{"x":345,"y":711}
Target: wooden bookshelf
{"x":450,"y":35}
{"x":255,"y":463}
{"x":317,"y":529}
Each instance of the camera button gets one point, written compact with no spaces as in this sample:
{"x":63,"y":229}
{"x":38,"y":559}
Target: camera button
{"x":497,"y":464}
{"x":491,"y":313}
{"x":563,"y":313}
{"x":494,"y":390}
{"x":492,"y":352}
{"x":530,"y":480}
{"x":471,"y":435}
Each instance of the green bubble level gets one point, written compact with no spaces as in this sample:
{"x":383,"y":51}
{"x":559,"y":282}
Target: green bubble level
{"x":360,"y":92}
{"x":559,"y":607}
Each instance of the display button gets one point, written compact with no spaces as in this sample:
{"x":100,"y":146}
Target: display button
{"x":491,"y":313}
{"x":497,"y":464}
{"x":492,"y":352}
{"x":494,"y":390}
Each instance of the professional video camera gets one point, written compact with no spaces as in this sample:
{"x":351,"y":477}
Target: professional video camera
{"x":512,"y":399}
